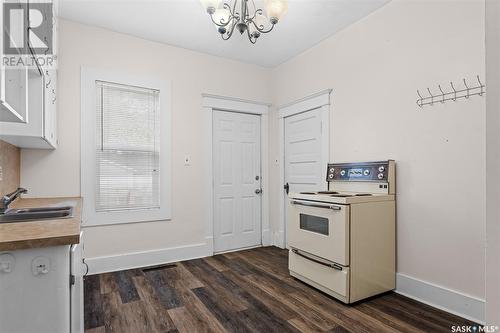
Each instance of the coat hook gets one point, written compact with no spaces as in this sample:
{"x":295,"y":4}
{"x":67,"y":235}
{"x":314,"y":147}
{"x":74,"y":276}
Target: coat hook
{"x":454,"y":99}
{"x":442,"y":93}
{"x":432,"y":96}
{"x":480,"y":86}
{"x":419,"y":101}
{"x":466,"y":86}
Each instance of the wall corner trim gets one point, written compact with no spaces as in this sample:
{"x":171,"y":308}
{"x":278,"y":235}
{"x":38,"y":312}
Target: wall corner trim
{"x":451,"y":301}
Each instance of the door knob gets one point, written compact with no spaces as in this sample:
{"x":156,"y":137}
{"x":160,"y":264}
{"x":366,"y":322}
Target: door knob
{"x":286,"y":187}
{"x":258,"y":191}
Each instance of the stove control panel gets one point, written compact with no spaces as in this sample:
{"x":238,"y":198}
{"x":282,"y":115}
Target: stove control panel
{"x":364,"y":171}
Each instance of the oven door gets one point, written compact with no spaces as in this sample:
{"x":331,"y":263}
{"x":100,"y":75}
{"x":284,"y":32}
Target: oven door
{"x":320,"y":228}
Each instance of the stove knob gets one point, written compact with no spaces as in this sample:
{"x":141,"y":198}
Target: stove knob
{"x":342,"y":173}
{"x":330,"y":176}
{"x":381,"y":168}
{"x":366,"y":172}
{"x":332,"y":170}
{"x":380,"y":176}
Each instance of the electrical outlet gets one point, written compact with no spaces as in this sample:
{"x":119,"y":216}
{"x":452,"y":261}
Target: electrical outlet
{"x":1,"y":173}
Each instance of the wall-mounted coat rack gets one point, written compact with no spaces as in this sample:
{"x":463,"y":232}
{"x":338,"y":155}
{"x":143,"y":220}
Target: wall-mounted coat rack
{"x":451,"y":95}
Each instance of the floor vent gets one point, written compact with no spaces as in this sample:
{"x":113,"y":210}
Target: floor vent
{"x":157,"y":268}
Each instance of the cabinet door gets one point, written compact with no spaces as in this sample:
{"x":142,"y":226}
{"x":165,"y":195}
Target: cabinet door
{"x":13,"y":81}
{"x":32,"y":133}
{"x":14,"y":95}
{"x":36,"y":301}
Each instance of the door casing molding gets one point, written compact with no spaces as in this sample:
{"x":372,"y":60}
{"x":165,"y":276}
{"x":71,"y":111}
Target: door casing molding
{"x":222,"y":103}
{"x":311,"y":102}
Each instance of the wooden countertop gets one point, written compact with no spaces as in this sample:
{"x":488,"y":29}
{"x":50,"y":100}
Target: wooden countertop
{"x":42,"y":233}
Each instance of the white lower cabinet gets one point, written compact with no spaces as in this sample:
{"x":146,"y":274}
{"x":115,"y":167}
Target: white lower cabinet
{"x":37,"y":291}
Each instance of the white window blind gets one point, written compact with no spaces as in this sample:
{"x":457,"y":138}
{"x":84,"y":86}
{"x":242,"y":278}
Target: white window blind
{"x":128,"y":147}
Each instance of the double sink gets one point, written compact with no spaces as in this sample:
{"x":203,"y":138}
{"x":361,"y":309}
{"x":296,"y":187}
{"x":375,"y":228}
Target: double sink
{"x":41,"y":213}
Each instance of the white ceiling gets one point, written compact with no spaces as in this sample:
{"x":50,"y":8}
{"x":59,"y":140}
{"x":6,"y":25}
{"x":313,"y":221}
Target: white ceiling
{"x":184,"y":23}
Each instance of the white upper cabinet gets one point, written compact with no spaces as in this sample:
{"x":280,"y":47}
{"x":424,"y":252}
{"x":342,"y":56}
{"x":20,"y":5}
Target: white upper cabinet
{"x":13,"y":81}
{"x":28,"y":112}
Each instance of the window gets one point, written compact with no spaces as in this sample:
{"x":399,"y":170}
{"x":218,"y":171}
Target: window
{"x":126,"y":149}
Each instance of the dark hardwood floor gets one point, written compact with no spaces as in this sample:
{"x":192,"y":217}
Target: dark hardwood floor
{"x":246,"y":291}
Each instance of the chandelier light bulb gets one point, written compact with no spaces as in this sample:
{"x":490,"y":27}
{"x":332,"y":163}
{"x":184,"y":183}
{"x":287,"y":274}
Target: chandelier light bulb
{"x":275,"y":9}
{"x":210,"y":5}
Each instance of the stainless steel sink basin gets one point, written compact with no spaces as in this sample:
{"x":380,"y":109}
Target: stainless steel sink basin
{"x":30,"y":214}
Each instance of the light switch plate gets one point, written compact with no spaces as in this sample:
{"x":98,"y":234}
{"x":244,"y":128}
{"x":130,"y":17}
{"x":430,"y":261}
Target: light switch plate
{"x":1,"y":173}
{"x":187,"y":160}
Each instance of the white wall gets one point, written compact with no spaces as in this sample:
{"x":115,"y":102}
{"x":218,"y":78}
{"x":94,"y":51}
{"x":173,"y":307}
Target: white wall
{"x":374,"y":68}
{"x":57,"y":173}
{"x":493,"y":162}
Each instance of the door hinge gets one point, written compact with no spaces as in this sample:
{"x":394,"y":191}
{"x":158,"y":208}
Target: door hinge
{"x":71,"y":280}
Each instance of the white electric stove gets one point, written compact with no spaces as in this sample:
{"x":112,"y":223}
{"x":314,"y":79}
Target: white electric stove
{"x":342,"y":241}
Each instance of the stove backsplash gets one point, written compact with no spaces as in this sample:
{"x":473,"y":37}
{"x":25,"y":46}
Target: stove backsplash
{"x":10,"y":167}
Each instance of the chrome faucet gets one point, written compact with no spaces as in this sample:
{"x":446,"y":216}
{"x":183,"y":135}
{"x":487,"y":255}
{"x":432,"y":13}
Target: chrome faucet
{"x":9,"y":198}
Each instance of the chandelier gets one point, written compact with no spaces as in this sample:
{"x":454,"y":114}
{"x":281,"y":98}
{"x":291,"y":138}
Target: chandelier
{"x":244,"y":16}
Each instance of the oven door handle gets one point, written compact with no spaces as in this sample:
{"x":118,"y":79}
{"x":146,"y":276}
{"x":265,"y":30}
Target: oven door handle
{"x":331,"y":265}
{"x":315,"y":204}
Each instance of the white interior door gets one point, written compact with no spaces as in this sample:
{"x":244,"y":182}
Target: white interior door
{"x":237,"y":176}
{"x":305,"y":160}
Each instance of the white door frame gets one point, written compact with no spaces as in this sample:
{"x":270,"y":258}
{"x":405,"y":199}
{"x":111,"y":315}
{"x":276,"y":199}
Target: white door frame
{"x":311,"y":102}
{"x":230,"y":104}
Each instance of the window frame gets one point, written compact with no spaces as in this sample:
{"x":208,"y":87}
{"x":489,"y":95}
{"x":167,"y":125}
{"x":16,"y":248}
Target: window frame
{"x":88,"y":164}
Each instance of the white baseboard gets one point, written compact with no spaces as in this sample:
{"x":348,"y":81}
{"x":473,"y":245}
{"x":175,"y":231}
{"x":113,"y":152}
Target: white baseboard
{"x":120,"y":262}
{"x":452,"y":301}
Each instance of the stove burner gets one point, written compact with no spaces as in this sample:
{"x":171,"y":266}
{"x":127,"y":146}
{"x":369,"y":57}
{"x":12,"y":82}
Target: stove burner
{"x":327,"y":192}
